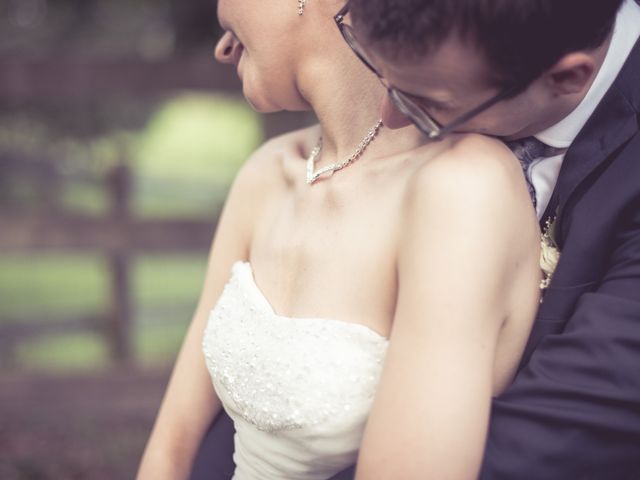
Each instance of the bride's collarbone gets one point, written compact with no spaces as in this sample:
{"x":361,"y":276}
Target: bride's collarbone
{"x":346,"y":203}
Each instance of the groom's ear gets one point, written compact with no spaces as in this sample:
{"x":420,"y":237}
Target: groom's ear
{"x":571,"y":74}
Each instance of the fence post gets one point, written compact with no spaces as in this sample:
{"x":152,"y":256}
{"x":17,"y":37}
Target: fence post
{"x":119,"y":328}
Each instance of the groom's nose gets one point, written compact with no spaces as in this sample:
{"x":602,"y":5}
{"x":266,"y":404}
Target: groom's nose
{"x":391,"y":116}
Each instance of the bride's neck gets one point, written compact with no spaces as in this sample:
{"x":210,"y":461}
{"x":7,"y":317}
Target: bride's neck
{"x":346,"y":99}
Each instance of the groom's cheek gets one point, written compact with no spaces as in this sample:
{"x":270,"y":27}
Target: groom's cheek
{"x":391,"y":116}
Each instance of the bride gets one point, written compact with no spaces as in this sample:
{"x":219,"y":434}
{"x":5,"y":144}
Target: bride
{"x":355,"y":269}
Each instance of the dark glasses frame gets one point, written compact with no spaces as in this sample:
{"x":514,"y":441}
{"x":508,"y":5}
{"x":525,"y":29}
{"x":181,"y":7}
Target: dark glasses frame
{"x":406,"y":102}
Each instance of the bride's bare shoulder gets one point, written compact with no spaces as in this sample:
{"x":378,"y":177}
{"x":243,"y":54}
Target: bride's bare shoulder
{"x":470,"y":164}
{"x":472,"y":177}
{"x":269,"y":168}
{"x":262,"y":177}
{"x":470,"y":154}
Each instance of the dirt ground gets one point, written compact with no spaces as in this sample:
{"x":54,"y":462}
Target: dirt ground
{"x":90,"y":427}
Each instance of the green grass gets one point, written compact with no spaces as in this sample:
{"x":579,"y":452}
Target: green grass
{"x":153,"y":345}
{"x":41,"y":285}
{"x":63,"y":352}
{"x":168,"y":279}
{"x":38,"y":288}
{"x":158,"y":344}
{"x":85,"y":199}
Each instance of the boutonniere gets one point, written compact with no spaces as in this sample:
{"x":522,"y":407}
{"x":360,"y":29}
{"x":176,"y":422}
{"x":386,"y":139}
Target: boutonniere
{"x":549,"y":252}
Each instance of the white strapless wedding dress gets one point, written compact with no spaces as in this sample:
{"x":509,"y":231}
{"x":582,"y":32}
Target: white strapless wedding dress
{"x":298,"y":389}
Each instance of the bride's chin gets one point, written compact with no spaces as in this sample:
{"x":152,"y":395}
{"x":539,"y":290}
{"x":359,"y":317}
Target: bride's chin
{"x":261,"y":101}
{"x":260,"y":105}
{"x":253,"y":98}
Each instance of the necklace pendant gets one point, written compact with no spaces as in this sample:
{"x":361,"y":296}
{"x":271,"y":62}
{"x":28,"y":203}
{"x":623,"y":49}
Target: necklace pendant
{"x":313,"y":176}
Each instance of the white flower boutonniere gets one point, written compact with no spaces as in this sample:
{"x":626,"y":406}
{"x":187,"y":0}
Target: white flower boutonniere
{"x":549,"y":252}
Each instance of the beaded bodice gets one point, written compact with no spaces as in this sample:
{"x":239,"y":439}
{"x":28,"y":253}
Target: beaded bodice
{"x":298,"y":389}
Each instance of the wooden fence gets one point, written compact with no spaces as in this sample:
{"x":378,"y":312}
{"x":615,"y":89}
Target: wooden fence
{"x":118,"y":235}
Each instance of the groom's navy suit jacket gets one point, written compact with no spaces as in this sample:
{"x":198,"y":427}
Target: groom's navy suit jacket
{"x":573,"y":411}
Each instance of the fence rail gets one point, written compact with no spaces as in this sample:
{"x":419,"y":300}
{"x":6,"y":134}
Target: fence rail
{"x":117,"y":236}
{"x":75,"y":78}
{"x":74,"y":232}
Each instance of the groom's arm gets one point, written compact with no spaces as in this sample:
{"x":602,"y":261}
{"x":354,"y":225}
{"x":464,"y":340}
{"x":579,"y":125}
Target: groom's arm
{"x":574,"y":411}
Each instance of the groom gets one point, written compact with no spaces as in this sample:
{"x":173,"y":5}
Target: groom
{"x":565,"y":73}
{"x":559,"y":80}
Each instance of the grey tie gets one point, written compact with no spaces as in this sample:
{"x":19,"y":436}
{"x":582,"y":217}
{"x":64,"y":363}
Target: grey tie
{"x":529,"y":149}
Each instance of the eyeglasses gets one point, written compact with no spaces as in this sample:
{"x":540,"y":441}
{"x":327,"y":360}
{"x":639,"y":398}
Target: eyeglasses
{"x":409,"y":104}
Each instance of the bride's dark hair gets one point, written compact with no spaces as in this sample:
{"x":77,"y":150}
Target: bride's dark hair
{"x":520,"y":39}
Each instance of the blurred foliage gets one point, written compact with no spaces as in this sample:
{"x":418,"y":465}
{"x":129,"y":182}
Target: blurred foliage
{"x":183,"y":149}
{"x":190,"y":152}
{"x":183,"y":159}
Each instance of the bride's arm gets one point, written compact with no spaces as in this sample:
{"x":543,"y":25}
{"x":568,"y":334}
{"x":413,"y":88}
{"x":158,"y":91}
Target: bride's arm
{"x":190,"y":403}
{"x":469,"y":230}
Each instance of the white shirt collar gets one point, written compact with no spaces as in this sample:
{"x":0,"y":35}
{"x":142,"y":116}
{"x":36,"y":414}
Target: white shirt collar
{"x":625,"y":34}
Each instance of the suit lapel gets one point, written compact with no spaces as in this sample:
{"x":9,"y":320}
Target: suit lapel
{"x":613,"y":123}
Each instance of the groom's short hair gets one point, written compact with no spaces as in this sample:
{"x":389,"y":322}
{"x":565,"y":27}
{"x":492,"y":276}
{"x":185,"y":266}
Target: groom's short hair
{"x":519,"y":39}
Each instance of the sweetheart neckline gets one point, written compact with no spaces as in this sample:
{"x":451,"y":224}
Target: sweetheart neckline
{"x":269,"y":307}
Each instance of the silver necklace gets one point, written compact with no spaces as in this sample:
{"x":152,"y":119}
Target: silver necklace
{"x":312,"y":175}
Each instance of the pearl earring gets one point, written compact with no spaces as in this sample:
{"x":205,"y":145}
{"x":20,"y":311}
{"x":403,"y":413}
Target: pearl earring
{"x":301,"y":4}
